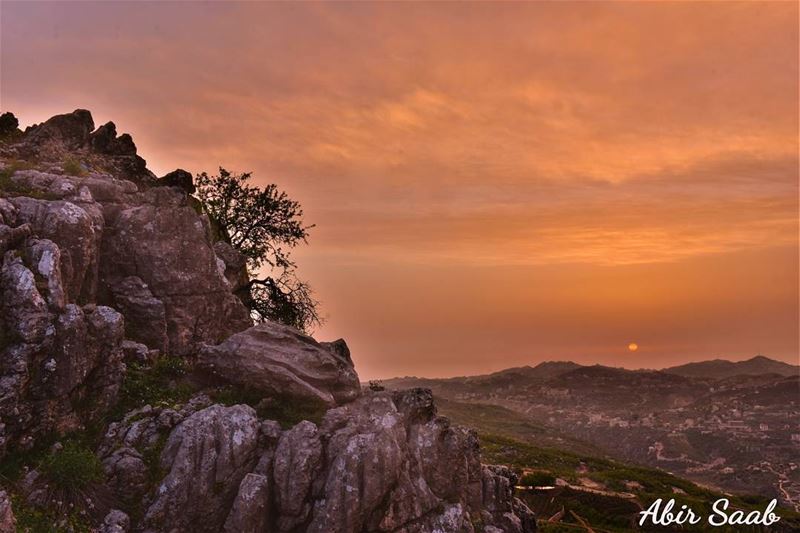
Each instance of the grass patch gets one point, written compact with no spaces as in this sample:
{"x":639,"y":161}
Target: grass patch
{"x":289,"y":412}
{"x":286,"y":410}
{"x":75,"y":467}
{"x":609,"y":512}
{"x":76,"y":495}
{"x":11,"y":188}
{"x":13,"y":166}
{"x":73,"y":167}
{"x":497,"y":420}
{"x":161,"y":385}
{"x":73,"y":476}
{"x":230,"y":395}
{"x":35,"y":520}
{"x":13,"y":463}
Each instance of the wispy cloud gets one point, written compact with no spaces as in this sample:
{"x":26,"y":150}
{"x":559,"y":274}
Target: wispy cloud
{"x":483,"y":135}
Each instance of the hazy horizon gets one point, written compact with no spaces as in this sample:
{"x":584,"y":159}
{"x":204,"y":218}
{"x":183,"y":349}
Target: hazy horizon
{"x":494,"y":185}
{"x":566,"y":361}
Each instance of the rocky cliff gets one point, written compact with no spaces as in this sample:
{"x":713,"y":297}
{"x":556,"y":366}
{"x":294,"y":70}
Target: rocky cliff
{"x":120,"y":331}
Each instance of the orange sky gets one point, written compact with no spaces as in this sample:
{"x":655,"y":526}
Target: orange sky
{"x":493,"y":184}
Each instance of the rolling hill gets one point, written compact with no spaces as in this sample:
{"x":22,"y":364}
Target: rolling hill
{"x":721,"y":368}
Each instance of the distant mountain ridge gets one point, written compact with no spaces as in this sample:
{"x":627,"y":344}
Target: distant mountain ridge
{"x":721,"y":368}
{"x":711,"y":369}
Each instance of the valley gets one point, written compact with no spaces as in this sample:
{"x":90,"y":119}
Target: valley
{"x":734,"y":427}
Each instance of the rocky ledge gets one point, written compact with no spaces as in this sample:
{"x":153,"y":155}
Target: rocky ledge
{"x":120,"y":330}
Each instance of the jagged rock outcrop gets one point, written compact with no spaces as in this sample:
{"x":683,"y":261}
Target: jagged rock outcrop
{"x":130,"y":444}
{"x":278,"y":360}
{"x":80,"y":252}
{"x":207,"y":456}
{"x":178,"y":178}
{"x":146,"y":253}
{"x":9,"y":124}
{"x":73,"y":135}
{"x":61,"y":364}
{"x":105,"y":266}
{"x":74,"y":230}
{"x":384,"y":462}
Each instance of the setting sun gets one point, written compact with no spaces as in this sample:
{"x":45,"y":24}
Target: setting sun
{"x":633,"y":346}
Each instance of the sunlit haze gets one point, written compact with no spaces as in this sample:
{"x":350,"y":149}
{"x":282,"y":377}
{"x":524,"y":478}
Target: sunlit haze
{"x":493,"y":185}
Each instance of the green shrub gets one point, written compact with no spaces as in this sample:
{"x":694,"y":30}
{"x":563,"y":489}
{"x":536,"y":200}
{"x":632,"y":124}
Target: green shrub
{"x":74,"y":467}
{"x":76,"y":494}
{"x":538,"y":479}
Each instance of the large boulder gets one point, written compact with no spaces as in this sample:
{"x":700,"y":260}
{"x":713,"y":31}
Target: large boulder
{"x":207,"y":456}
{"x":279,"y":360}
{"x":164,"y":243}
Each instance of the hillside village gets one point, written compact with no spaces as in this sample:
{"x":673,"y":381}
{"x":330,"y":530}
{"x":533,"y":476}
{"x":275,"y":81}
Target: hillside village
{"x":737,"y":433}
